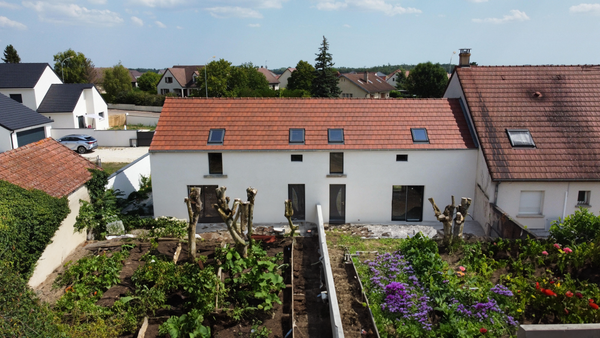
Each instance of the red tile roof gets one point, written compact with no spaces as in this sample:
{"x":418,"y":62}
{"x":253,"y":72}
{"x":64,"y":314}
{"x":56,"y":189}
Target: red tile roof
{"x":560,"y":105}
{"x":373,"y":84}
{"x":272,"y":78}
{"x":45,"y":165}
{"x":264,"y":123}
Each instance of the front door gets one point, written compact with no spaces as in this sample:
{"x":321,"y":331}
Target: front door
{"x":81,"y":122}
{"x":208,"y":197}
{"x":296,"y":195}
{"x":407,"y":203}
{"x":337,"y":203}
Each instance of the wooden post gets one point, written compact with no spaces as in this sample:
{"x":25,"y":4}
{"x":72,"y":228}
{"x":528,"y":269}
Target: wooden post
{"x":194,"y":206}
{"x":251,"y":194}
{"x":461,"y":215}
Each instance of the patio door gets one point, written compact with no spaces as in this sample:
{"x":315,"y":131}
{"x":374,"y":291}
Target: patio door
{"x":337,"y":203}
{"x":296,"y":195}
{"x":407,"y":203}
{"x":208,"y":197}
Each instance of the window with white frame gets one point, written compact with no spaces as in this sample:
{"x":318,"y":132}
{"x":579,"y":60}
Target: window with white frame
{"x":583,"y":198}
{"x":531,"y":203}
{"x":520,"y":138}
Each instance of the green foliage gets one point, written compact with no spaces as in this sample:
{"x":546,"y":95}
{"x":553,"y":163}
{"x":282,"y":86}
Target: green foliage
{"x":116,"y":80}
{"x":148,"y":81}
{"x":11,"y":55}
{"x":427,"y":80}
{"x":401,"y":79}
{"x":582,"y":226}
{"x":294,"y":93}
{"x":187,"y":325}
{"x":139,"y":97}
{"x":28,"y":221}
{"x":259,"y":332}
{"x":225,"y":80}
{"x":302,"y":77}
{"x":325,"y":82}
{"x":168,"y":227}
{"x":77,"y":68}
{"x":102,"y":208}
{"x":144,"y":190}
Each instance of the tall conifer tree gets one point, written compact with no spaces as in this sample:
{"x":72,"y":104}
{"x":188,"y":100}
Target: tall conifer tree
{"x":325,"y":82}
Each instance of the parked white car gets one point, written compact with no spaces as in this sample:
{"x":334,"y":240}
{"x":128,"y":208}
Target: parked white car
{"x":81,"y":143}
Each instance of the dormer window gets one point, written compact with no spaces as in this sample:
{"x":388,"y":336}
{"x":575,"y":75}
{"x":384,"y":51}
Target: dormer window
{"x":419,"y":135}
{"x":335,"y":135}
{"x":296,"y":135}
{"x":520,"y":138}
{"x":168,"y":79}
{"x":216,"y":136}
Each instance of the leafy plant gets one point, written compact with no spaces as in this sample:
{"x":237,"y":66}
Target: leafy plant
{"x":187,"y":325}
{"x":582,"y":226}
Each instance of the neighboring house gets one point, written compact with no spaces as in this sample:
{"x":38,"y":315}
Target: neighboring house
{"x":364,"y":85}
{"x":284,"y":77}
{"x":51,"y":167}
{"x":75,"y":105}
{"x":19,"y":125}
{"x":539,"y":133}
{"x":180,"y":80}
{"x":271,"y":77}
{"x":134,"y":74}
{"x":392,"y":78}
{"x":27,"y":83}
{"x":363,"y":160}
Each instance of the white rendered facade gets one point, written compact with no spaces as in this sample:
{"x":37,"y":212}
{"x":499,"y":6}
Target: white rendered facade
{"x":32,"y":97}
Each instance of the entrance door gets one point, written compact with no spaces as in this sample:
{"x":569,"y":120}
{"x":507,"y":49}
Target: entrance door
{"x":81,"y":121}
{"x":337,"y":203}
{"x":296,"y":195}
{"x":208,"y":197}
{"x":407,"y":203}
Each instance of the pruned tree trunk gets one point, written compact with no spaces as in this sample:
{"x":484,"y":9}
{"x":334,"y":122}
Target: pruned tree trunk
{"x":461,"y":215}
{"x":289,"y":212}
{"x":231,"y":216}
{"x":194,"y":206}
{"x":251,"y":194}
{"x":446,"y":219}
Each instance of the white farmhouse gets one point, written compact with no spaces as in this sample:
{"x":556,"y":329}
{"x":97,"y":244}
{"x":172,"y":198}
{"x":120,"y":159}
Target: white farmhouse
{"x":363,"y":160}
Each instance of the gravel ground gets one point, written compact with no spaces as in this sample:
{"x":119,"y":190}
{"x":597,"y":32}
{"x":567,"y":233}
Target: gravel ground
{"x":116,"y":154}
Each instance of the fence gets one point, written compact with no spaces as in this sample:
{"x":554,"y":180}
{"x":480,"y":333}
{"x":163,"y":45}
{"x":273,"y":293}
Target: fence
{"x":106,"y":138}
{"x":120,"y":106}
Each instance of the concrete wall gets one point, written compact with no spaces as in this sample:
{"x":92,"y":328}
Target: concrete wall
{"x":370,"y":176}
{"x":559,"y":331}
{"x":127,"y":179}
{"x":145,"y":120}
{"x":106,"y":138}
{"x":65,"y":240}
{"x":5,"y":140}
{"x":121,"y":106}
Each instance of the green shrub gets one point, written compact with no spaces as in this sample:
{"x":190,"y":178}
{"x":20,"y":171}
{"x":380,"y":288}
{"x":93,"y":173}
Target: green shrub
{"x":582,"y":226}
{"x":140,"y":98}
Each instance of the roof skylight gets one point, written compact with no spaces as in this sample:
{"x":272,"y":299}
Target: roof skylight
{"x":335,"y":135}
{"x":419,"y":135}
{"x":296,"y":135}
{"x":216,"y":136}
{"x":520,"y":138}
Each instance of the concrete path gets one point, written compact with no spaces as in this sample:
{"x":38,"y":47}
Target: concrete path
{"x":116,"y":154}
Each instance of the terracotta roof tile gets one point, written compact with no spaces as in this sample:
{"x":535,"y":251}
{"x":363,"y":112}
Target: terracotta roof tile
{"x":45,"y":165}
{"x":264,"y":123}
{"x":559,"y":105}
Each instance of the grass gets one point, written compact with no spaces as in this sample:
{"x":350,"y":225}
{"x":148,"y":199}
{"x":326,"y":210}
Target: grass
{"x":111,"y":167}
{"x":134,"y":127}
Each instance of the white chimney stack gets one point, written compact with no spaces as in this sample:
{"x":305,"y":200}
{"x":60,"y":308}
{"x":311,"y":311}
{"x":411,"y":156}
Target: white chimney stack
{"x":465,"y":57}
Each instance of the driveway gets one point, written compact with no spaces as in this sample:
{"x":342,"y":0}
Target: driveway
{"x":116,"y":154}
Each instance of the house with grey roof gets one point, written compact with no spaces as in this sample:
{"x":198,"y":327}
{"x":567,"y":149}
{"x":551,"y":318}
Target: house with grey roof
{"x":75,"y":105}
{"x":364,"y":85}
{"x":27,"y":83}
{"x":20,"y":125}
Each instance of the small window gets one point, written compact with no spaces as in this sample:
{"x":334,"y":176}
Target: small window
{"x":401,"y":158}
{"x":168,"y":79}
{"x":419,"y":135}
{"x":17,"y":97}
{"x":215,"y":163}
{"x":583,"y":197}
{"x":164,"y":91}
{"x":216,"y":136}
{"x":336,"y":163}
{"x":520,"y":138}
{"x":296,"y":135}
{"x":335,"y":135}
{"x":531,"y":203}
{"x":296,"y":158}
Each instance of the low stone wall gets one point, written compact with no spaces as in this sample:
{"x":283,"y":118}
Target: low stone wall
{"x":559,"y":331}
{"x":502,"y":225}
{"x":120,"y":106}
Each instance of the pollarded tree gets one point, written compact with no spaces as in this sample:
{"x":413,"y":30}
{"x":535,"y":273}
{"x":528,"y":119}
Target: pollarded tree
{"x":148,"y":81}
{"x":77,"y":68}
{"x":302,"y":77}
{"x":427,"y":80}
{"x":11,"y":55}
{"x":116,"y":80}
{"x":325,"y":82}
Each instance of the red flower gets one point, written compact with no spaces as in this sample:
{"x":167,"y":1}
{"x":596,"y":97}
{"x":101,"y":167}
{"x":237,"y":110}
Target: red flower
{"x":551,"y":282}
{"x":566,"y":311}
{"x":594,"y":306}
{"x":579,"y":295}
{"x":591,"y":300}
{"x":537,"y":285}
{"x":483,"y":330}
{"x":548,"y":292}
{"x":569,"y":294}
{"x":556,"y":245}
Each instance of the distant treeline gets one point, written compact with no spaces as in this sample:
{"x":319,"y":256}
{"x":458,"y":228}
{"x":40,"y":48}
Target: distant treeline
{"x":385,"y":69}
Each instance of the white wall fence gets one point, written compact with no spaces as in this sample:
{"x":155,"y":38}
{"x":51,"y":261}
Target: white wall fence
{"x":127,"y":179}
{"x":141,"y":119}
{"x":120,"y":106}
{"x":106,"y":138}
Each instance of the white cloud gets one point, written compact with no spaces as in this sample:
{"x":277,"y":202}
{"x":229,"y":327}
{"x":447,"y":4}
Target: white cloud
{"x":478,"y":0}
{"x":9,"y":6}
{"x":73,"y":14}
{"x":515,"y":15}
{"x":371,"y":5}
{"x":254,"y":25}
{"x":137,"y":21}
{"x":158,"y":3}
{"x":160,"y":24}
{"x":8,"y":23}
{"x":585,"y":8}
{"x":347,"y":26}
{"x":270,"y":3}
{"x":238,"y":12}
{"x":179,"y":27}
{"x":97,"y":2}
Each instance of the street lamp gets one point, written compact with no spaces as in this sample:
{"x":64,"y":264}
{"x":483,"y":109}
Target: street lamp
{"x":206,"y":82}
{"x":62,"y":67}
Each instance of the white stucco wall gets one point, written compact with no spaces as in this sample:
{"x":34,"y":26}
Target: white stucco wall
{"x":47,"y":79}
{"x":283,"y":79}
{"x":170,"y":86}
{"x":95,"y":104}
{"x":47,"y":133}
{"x":369,"y":180}
{"x":106,"y":138}
{"x":27,"y":95}
{"x":5,"y":140}
{"x":65,"y":240}
{"x":63,"y":120}
{"x":127,"y":179}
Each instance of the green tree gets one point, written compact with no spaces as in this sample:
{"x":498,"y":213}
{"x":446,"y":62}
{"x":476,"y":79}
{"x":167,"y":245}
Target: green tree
{"x":217,"y":77}
{"x":77,"y":68}
{"x":116,"y":80}
{"x":302,"y":77}
{"x":427,"y":80}
{"x":148,"y":81}
{"x":325,"y":82}
{"x":401,"y":79}
{"x":11,"y":55}
{"x":256,"y":80}
{"x":225,"y":80}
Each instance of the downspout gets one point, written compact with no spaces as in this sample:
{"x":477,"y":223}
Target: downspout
{"x":565,"y":204}
{"x":12,"y":145}
{"x":496,"y":193}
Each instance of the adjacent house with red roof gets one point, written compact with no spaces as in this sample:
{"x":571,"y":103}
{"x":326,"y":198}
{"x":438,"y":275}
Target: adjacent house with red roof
{"x":363,"y":160}
{"x":180,"y":80}
{"x":57,"y":170}
{"x":367,"y":85}
{"x":538,"y":128}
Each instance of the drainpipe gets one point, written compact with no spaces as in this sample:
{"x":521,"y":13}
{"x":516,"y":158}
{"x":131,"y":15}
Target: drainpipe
{"x":12,"y":145}
{"x":496,"y":193}
{"x":565,"y":204}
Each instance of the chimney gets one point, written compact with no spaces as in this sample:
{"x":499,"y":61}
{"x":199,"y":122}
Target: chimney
{"x":367,"y":77}
{"x":465,"y":57}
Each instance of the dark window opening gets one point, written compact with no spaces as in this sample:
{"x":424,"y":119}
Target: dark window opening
{"x":583,"y":197}
{"x":296,"y":158}
{"x":296,"y":195}
{"x":336,"y":163}
{"x":168,"y":80}
{"x":17,"y":97}
{"x":216,"y":136}
{"x":208,"y":197}
{"x":407,"y":203}
{"x":296,"y":135}
{"x":419,"y":135}
{"x":401,"y":158}
{"x":215,"y":163}
{"x":335,"y":135}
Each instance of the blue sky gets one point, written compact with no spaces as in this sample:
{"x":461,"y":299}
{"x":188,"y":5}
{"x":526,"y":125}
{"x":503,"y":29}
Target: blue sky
{"x":279,"y":33}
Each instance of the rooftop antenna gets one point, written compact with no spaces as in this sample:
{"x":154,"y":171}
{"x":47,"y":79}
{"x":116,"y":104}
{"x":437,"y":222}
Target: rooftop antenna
{"x":266,"y":64}
{"x":450,"y":66}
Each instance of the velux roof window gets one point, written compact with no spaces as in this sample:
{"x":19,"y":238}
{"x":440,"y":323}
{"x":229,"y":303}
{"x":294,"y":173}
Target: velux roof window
{"x":419,"y":135}
{"x":335,"y":135}
{"x":296,"y":135}
{"x":216,"y":136}
{"x":520,"y":138}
